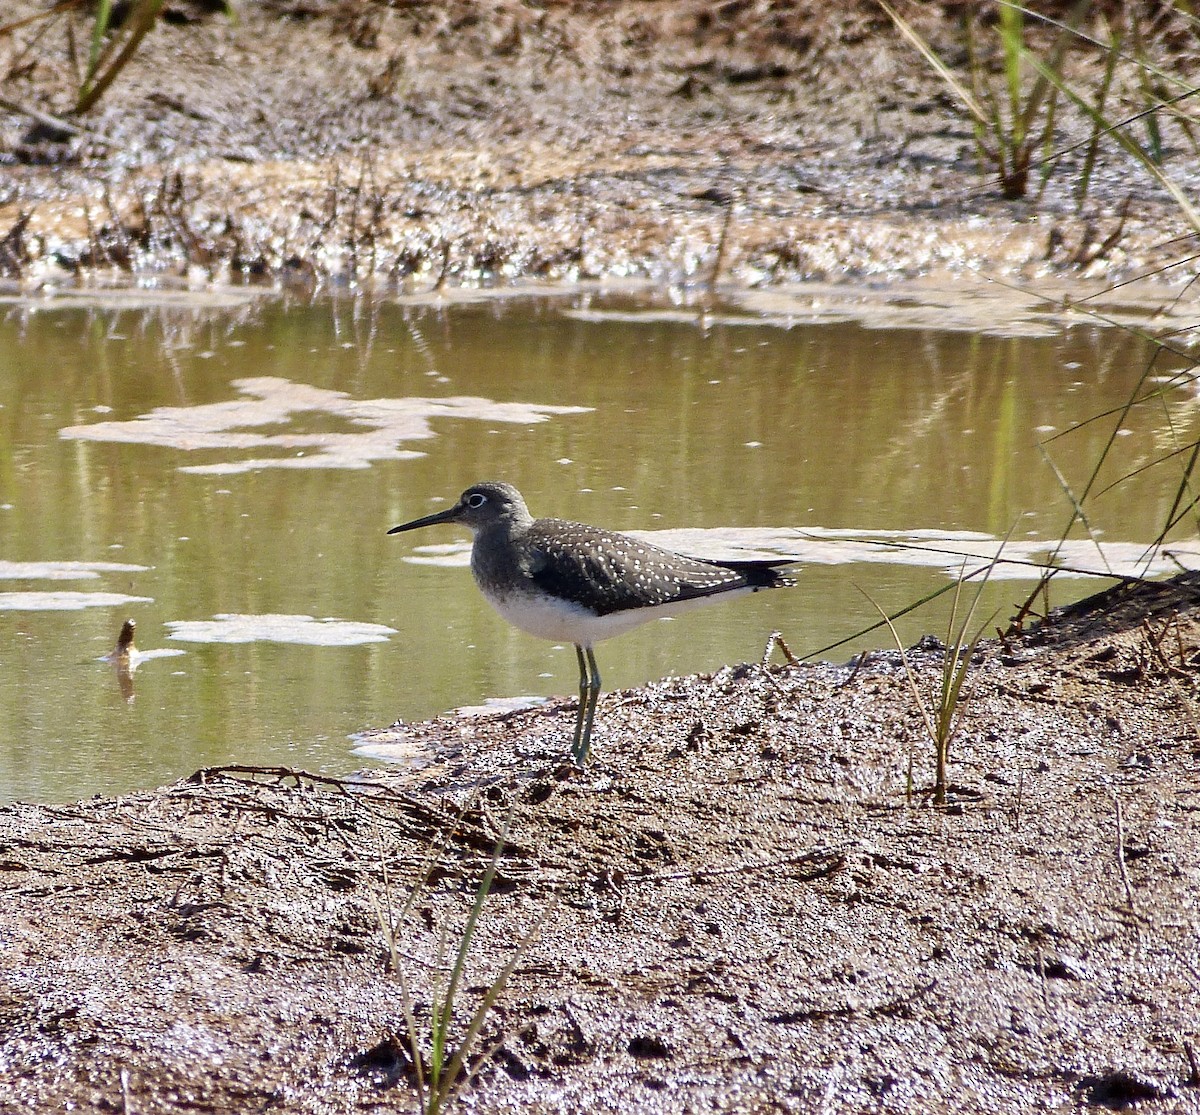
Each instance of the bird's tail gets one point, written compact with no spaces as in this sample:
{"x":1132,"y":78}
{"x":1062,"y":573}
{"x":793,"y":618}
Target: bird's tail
{"x":760,"y":574}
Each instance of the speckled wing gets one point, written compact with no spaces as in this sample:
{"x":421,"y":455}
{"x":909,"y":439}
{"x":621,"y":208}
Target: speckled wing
{"x":607,"y":572}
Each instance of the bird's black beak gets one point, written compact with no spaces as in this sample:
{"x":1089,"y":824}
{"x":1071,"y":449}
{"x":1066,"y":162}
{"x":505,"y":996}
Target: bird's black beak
{"x":450,"y":515}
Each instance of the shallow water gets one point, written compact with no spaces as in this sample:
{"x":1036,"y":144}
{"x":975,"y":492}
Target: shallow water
{"x":224,"y":471}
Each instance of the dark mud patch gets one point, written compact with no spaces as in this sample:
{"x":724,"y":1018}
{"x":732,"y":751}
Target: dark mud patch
{"x":742,"y":906}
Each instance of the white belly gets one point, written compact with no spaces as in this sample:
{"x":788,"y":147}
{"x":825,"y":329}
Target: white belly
{"x":560,"y":621}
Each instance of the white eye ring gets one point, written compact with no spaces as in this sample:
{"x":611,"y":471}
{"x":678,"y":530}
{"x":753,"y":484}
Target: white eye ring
{"x":476,"y":499}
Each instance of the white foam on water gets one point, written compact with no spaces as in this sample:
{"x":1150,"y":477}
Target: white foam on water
{"x":63,"y":570}
{"x":377,"y":427}
{"x":277,"y":628}
{"x":65,"y":601}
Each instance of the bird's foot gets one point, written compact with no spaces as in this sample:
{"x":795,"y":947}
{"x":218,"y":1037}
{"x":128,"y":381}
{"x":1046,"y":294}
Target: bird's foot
{"x":567,"y":768}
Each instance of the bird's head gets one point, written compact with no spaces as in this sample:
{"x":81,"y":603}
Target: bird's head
{"x":481,"y":506}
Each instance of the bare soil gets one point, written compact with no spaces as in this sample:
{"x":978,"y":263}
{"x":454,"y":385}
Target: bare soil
{"x":748,"y":901}
{"x":420,"y":145}
{"x":743,"y":903}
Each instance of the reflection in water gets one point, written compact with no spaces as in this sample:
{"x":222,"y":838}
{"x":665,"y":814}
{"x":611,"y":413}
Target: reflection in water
{"x":245,"y":461}
{"x":124,"y":648}
{"x":986,"y":309}
{"x":122,"y":656}
{"x":126,"y":658}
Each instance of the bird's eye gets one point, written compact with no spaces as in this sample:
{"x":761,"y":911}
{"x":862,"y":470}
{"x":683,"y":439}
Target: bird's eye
{"x":475,"y":499}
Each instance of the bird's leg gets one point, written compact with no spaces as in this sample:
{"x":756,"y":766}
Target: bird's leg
{"x":593,"y":687}
{"x":577,"y":742}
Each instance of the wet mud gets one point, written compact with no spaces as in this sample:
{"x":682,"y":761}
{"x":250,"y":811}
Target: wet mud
{"x":748,"y":901}
{"x":423,"y":146}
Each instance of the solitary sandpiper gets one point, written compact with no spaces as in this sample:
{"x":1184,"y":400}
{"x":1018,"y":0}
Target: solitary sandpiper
{"x":568,"y":582}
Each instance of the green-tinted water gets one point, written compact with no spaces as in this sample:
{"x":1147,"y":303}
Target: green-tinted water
{"x":271,"y":497}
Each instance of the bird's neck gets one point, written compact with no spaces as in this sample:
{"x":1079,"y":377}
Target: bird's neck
{"x":496,"y":556}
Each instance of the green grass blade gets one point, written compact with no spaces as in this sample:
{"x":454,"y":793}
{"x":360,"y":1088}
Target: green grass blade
{"x":1083,"y":37}
{"x":1127,"y":143}
{"x":1043,"y":95}
{"x":951,"y":668}
{"x":1093,"y":147}
{"x":975,"y":67}
{"x":436,"y":848}
{"x":441,"y":1010}
{"x":1047,"y":161}
{"x":939,"y":67}
{"x":492,"y":995}
{"x":414,"y":1045}
{"x":1011,"y":26}
{"x":886,"y":621}
{"x":956,"y":664}
{"x":1153,"y":102}
{"x":100,"y":25}
{"x":468,"y":933}
{"x":1161,"y":459}
{"x":915,"y":689}
{"x":390,"y":929}
{"x":1080,"y":514}
{"x":1179,"y":505}
{"x":141,"y":20}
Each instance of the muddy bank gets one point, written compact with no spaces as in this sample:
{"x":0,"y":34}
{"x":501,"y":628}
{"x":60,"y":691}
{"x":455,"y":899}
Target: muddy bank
{"x":747,"y":901}
{"x":738,"y":906}
{"x":423,"y":146}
